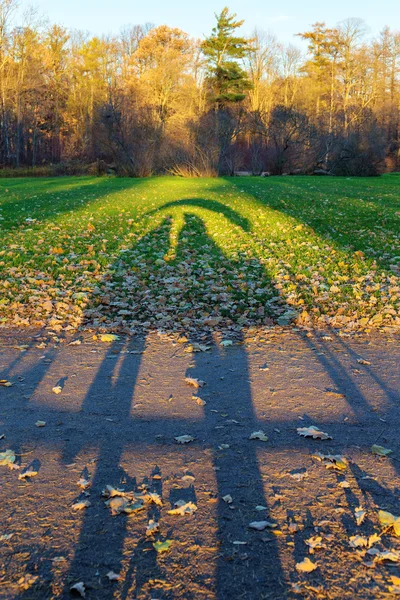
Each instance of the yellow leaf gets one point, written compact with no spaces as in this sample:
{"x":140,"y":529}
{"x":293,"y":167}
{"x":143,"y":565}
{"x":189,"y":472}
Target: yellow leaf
{"x":163,"y":546}
{"x":306,"y":566}
{"x":109,"y":337}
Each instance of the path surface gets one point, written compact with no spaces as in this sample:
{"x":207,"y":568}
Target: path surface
{"x":114,"y":423}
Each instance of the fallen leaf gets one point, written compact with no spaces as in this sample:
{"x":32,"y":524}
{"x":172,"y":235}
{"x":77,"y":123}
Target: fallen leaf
{"x":228,"y":499}
{"x":313,"y":432}
{"x":154,"y":498}
{"x":380,"y":450}
{"x":360,"y":515}
{"x":343,"y":484}
{"x":361,"y":361}
{"x":258,"y":435}
{"x":109,"y":337}
{"x":113,"y":576}
{"x":386,"y":519}
{"x":306,"y":566}
{"x":5,"y":383}
{"x":163,"y":546}
{"x":359,"y":541}
{"x":7,"y":458}
{"x":40,"y":423}
{"x":152,"y":527}
{"x":226,"y":343}
{"x":57,"y":389}
{"x":196,"y":383}
{"x":79,"y":589}
{"x":81,"y":505}
{"x":27,"y":581}
{"x":183,"y":508}
{"x":111,"y":492}
{"x":332,"y":461}
{"x":83,"y":483}
{"x":184,"y":439}
{"x":381,"y":555}
{"x":261,"y":525}
{"x":314,"y":543}
{"x":30,"y":472}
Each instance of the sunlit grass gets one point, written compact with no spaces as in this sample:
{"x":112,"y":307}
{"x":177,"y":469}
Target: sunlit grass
{"x":174,"y":251}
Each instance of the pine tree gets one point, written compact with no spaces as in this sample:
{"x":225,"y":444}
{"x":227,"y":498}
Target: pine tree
{"x":222,"y":49}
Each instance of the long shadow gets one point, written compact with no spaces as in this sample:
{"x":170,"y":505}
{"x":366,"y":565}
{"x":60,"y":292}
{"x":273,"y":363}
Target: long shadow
{"x":213,"y":205}
{"x":102,"y":537}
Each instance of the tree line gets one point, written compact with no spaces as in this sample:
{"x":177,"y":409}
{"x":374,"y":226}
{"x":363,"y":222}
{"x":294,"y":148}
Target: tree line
{"x":154,"y":100}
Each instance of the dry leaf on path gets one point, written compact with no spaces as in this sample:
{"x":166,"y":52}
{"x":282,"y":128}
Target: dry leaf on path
{"x":380,"y":450}
{"x":314,"y":543}
{"x":258,"y":435}
{"x":313,"y":432}
{"x":109,"y":337}
{"x":40,"y":423}
{"x":332,"y":461}
{"x":5,"y":383}
{"x":360,"y":515}
{"x":78,"y":589}
{"x":152,"y":527}
{"x":261,"y":525}
{"x":381,"y":555}
{"x":57,"y":389}
{"x":359,"y":541}
{"x":184,"y":439}
{"x":113,"y":576}
{"x":196,"y":383}
{"x":30,"y":472}
{"x":306,"y":566}
{"x":7,"y":457}
{"x":163,"y":546}
{"x":386,"y":519}
{"x":183,"y":508}
{"x":81,"y":505}
{"x":228,"y":499}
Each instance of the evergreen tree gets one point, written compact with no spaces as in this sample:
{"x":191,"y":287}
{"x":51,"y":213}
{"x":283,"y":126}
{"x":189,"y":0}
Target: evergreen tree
{"x":223,"y":49}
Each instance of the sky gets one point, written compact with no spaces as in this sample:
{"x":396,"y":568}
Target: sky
{"x":285,"y":19}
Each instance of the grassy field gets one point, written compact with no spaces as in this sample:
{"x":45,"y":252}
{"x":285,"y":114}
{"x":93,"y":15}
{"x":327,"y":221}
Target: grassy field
{"x":200,"y":254}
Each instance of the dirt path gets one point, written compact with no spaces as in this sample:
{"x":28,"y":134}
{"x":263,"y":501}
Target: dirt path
{"x":114,"y":423}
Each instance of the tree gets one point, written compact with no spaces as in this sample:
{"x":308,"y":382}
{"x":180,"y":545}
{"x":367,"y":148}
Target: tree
{"x":227,"y":79}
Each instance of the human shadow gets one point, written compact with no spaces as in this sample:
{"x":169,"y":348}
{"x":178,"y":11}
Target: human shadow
{"x":102,"y":537}
{"x":206,"y":203}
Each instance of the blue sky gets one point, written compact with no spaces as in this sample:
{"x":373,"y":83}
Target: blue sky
{"x":197,"y":18}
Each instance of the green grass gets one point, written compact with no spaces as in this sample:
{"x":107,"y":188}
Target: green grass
{"x":197,"y":254}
